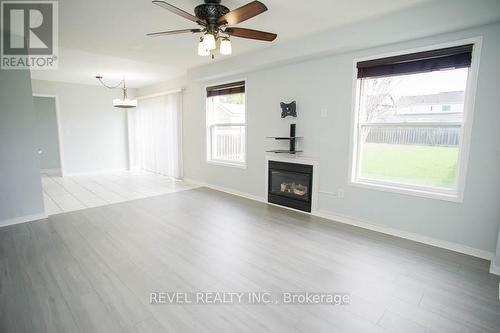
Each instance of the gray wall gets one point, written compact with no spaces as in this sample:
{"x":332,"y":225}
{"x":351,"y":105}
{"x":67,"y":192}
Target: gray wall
{"x":327,"y":83}
{"x":94,"y":133}
{"x":496,"y":260}
{"x":20,"y":185}
{"x":46,"y":133}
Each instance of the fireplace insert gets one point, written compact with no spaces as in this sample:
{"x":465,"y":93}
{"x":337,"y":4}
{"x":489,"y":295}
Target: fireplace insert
{"x":290,"y":185}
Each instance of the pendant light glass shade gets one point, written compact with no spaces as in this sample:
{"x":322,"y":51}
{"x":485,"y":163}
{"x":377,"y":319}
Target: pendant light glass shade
{"x":125,"y":102}
{"x":209,"y":41}
{"x":225,"y":47}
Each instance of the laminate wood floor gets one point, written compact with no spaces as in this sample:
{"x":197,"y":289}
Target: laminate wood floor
{"x":93,"y":270}
{"x":70,"y":193}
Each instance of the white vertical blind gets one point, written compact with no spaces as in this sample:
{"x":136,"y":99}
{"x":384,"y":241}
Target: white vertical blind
{"x":155,"y":135}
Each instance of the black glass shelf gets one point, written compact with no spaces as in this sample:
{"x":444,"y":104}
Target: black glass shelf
{"x":284,"y":137}
{"x":292,"y":140}
{"x":283,"y":151}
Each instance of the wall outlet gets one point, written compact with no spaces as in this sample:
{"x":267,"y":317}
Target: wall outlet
{"x":340,"y":193}
{"x":324,"y":113}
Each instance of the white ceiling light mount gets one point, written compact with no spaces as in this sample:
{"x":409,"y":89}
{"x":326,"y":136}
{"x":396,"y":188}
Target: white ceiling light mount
{"x":122,"y":103}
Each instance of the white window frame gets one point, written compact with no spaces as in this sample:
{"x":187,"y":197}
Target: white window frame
{"x":208,"y":129}
{"x":456,"y":195}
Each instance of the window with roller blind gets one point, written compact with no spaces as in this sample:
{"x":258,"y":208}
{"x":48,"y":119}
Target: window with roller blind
{"x":226,"y":124}
{"x":412,"y":122}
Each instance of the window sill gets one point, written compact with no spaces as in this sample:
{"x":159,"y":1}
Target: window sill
{"x":418,"y":192}
{"x":228,"y":164}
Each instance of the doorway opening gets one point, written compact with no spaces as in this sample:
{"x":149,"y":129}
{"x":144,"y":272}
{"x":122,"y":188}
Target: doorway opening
{"x":47,"y":135}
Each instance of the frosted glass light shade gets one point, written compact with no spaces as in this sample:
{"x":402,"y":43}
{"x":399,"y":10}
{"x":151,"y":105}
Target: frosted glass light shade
{"x":124,"y":103}
{"x":225,"y":47}
{"x":202,"y":51}
{"x":209,"y":41}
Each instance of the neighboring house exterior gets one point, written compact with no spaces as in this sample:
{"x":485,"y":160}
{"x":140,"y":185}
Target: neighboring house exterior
{"x":445,"y":106}
{"x":445,"y":102}
{"x":442,"y":107}
{"x":230,"y":112}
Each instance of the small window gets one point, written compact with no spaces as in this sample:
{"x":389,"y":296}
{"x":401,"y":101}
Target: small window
{"x":409,"y":121}
{"x":226,"y":124}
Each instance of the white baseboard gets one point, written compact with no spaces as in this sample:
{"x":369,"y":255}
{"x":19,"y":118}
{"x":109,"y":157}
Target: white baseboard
{"x":370,"y":226}
{"x":97,"y":172}
{"x":23,"y":219}
{"x":227,"y":190}
{"x":494,"y":269}
{"x":51,"y":172}
{"x":408,"y":235}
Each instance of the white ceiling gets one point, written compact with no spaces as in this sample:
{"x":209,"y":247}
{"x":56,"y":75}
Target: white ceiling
{"x":108,"y":37}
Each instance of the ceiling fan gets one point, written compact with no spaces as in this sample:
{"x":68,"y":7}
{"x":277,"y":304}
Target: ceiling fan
{"x":216,"y":21}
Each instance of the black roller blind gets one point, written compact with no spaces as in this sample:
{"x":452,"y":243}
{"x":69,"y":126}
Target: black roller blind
{"x":420,"y":62}
{"x":226,"y":89}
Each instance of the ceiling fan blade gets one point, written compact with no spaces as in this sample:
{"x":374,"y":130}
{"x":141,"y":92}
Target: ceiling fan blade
{"x":243,"y":13}
{"x":251,"y":34}
{"x":179,"y":12}
{"x":172,"y":32}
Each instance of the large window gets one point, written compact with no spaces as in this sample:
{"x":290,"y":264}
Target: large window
{"x":226,"y":124}
{"x":409,"y":121}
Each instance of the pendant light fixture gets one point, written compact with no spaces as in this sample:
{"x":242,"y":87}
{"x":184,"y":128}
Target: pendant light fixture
{"x":124,"y":102}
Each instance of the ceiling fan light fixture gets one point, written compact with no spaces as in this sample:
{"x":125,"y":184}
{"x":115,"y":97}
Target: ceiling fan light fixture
{"x":202,"y":50}
{"x":226,"y":47}
{"x":209,"y":41}
{"x":216,"y":24}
